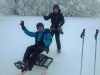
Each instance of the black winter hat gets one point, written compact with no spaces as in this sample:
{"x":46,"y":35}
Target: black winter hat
{"x":55,"y":6}
{"x":39,"y":25}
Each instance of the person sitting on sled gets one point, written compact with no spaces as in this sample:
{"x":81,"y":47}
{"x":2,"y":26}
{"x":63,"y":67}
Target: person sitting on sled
{"x":43,"y":39}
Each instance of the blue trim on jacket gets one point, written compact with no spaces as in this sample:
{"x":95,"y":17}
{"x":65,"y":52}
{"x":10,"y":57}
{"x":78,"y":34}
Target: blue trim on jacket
{"x":46,"y":39}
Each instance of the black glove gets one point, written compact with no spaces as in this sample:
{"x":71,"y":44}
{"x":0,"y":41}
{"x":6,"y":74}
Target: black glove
{"x":46,"y":49}
{"x":22,"y":25}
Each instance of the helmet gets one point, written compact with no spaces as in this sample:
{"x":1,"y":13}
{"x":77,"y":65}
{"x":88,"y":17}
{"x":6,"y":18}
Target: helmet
{"x":39,"y":25}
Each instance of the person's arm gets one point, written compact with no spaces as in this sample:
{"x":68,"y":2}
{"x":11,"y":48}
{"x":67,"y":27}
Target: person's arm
{"x":32,"y":34}
{"x":47,"y":39}
{"x":62,"y":20}
{"x":47,"y":17}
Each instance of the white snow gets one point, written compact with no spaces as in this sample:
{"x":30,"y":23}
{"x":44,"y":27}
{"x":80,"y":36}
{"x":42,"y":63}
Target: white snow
{"x":13,"y":43}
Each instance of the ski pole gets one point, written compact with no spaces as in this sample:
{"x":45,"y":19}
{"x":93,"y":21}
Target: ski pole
{"x":82,"y":36}
{"x":96,"y":34}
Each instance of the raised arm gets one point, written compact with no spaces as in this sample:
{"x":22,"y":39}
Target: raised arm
{"x":32,"y":34}
{"x":46,"y":17}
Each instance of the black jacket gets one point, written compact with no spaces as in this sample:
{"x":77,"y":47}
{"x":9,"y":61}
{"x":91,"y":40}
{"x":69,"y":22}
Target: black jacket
{"x":56,"y":18}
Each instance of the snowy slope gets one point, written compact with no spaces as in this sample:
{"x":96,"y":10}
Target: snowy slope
{"x":13,"y":43}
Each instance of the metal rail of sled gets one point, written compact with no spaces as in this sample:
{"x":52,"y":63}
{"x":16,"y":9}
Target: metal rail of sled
{"x":41,"y":61}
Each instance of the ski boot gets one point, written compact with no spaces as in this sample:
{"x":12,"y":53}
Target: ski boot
{"x":20,"y":65}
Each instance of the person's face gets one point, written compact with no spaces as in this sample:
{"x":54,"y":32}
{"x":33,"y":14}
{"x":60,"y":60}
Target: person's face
{"x":55,"y":10}
{"x":40,"y":28}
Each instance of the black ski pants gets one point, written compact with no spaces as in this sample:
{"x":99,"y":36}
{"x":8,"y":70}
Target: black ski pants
{"x":32,"y":53}
{"x":57,"y":37}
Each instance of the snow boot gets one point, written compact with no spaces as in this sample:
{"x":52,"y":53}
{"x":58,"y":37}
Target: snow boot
{"x":59,"y":50}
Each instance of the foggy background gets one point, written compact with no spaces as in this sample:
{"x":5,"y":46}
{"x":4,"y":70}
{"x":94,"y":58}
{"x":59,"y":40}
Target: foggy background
{"x":70,"y":8}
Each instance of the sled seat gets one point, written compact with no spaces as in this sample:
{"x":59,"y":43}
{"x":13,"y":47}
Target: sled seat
{"x":44,"y":60}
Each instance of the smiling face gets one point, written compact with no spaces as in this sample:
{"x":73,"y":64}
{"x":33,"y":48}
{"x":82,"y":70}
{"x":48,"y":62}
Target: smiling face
{"x":56,"y":10}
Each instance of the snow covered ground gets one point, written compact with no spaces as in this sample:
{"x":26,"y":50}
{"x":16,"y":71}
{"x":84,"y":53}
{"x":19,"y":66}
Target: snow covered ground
{"x":13,"y":43}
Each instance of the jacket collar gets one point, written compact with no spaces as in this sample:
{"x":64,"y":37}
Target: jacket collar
{"x":41,"y":31}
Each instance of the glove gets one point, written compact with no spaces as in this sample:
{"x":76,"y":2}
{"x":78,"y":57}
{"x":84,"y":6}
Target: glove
{"x":22,"y":25}
{"x":46,"y":49}
{"x":60,"y":29}
{"x":62,"y":32}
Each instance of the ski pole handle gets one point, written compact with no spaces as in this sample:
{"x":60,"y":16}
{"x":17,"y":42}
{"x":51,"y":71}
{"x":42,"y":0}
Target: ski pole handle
{"x":96,"y":34}
{"x":83,"y":33}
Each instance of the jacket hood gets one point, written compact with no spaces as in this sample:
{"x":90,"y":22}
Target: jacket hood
{"x":56,"y":6}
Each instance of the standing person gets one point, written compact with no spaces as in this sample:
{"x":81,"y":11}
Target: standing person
{"x":43,"y":39}
{"x":57,"y":21}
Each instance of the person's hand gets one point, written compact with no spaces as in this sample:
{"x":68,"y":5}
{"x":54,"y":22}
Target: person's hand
{"x":22,"y":25}
{"x":59,"y":28}
{"x":44,"y":13}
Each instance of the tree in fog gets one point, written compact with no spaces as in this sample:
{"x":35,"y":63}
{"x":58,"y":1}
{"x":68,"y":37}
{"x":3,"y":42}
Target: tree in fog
{"x":73,"y":8}
{"x":7,"y":7}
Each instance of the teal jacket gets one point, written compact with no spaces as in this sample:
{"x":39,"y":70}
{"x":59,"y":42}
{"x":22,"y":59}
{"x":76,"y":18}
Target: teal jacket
{"x":46,"y":39}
